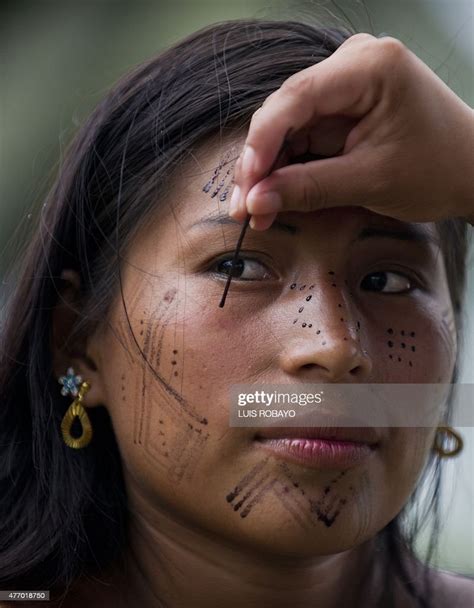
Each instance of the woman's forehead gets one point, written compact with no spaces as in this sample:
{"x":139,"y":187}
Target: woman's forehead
{"x":203,"y":189}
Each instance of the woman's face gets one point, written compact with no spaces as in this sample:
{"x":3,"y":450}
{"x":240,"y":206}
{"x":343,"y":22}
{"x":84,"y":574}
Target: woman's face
{"x":380,"y":312}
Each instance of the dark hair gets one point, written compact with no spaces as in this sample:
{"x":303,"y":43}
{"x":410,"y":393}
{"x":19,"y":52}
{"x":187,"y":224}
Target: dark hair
{"x":64,"y":512}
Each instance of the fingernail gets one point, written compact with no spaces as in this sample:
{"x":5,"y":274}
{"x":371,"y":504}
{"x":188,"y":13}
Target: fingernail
{"x":248,"y":160}
{"x":234,"y":200}
{"x":268,"y":202}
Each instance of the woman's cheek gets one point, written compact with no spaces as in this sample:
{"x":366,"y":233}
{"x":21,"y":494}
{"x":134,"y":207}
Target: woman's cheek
{"x":420,"y":348}
{"x":152,"y":401}
{"x":228,"y":346}
{"x":176,"y":369}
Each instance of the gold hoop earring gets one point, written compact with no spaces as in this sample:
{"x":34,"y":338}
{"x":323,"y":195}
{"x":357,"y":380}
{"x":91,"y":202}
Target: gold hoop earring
{"x":443,"y":435}
{"x":75,"y":386}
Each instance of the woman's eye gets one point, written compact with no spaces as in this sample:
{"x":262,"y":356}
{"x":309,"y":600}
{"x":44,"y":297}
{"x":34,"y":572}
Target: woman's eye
{"x":245,"y":269}
{"x":386,"y":282}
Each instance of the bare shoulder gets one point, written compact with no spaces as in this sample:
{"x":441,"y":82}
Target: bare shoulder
{"x":451,"y":589}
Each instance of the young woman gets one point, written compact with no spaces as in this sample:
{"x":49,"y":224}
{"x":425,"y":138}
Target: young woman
{"x":153,"y":499}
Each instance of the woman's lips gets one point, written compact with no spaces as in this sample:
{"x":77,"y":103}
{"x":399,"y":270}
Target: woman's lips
{"x":320,"y":448}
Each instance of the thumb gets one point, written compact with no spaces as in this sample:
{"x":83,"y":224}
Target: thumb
{"x":332,"y":182}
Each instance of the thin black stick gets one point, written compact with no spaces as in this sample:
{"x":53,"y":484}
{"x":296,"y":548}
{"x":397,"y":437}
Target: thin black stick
{"x":245,"y":226}
{"x":234,"y":260}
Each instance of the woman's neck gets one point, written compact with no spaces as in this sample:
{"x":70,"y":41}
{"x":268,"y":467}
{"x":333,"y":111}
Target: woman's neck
{"x":169,"y":564}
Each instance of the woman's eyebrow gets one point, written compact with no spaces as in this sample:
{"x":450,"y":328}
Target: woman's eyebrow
{"x":219,"y":219}
{"x":404,"y":233}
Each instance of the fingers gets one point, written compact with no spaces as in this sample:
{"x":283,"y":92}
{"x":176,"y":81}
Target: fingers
{"x":332,"y":182}
{"x":262,"y":222}
{"x":331,"y":86}
{"x":348,"y":83}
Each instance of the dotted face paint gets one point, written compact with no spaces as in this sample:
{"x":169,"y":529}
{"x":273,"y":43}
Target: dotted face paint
{"x":162,"y":443}
{"x":174,"y":362}
{"x":303,"y":316}
{"x":222,"y":178}
{"x":405,"y":341}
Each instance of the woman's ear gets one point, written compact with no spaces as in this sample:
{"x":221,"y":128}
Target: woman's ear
{"x":80,"y":352}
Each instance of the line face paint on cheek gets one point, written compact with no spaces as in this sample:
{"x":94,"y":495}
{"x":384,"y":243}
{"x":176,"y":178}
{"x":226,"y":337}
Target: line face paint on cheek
{"x":167,"y":426}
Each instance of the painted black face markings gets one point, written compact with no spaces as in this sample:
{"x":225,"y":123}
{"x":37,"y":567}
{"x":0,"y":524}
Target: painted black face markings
{"x":325,"y":508}
{"x":178,"y":450}
{"x":303,"y":316}
{"x":222,"y":178}
{"x":293,"y":504}
{"x":306,"y":510}
{"x":178,"y":447}
{"x":402,"y":343}
{"x":254,"y":487}
{"x":328,"y":507}
{"x":153,"y":336}
{"x":188,"y":446}
{"x":175,"y":362}
{"x":123,"y":334}
{"x":155,"y":400}
{"x":251,"y":489}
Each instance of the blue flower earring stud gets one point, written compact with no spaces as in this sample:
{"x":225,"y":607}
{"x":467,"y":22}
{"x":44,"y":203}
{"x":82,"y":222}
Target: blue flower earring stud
{"x":70,"y":383}
{"x":75,"y":386}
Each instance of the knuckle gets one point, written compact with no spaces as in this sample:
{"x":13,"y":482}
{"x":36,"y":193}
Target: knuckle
{"x":269,"y":98}
{"x":393,"y":58}
{"x":294,"y":84}
{"x":255,"y":114}
{"x":256,"y":131}
{"x":386,"y":63}
{"x":359,"y":43}
{"x":392,"y":49}
{"x":360,"y":37}
{"x":379,"y":53}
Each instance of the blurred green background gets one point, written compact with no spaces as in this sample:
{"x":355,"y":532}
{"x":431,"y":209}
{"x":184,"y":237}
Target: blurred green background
{"x":58,"y":59}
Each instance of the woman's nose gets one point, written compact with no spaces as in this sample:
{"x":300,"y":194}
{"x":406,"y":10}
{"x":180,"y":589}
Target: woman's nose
{"x":329,"y":348}
{"x":333,"y":360}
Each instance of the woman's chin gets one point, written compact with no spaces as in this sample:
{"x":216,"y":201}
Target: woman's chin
{"x":299,"y":533}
